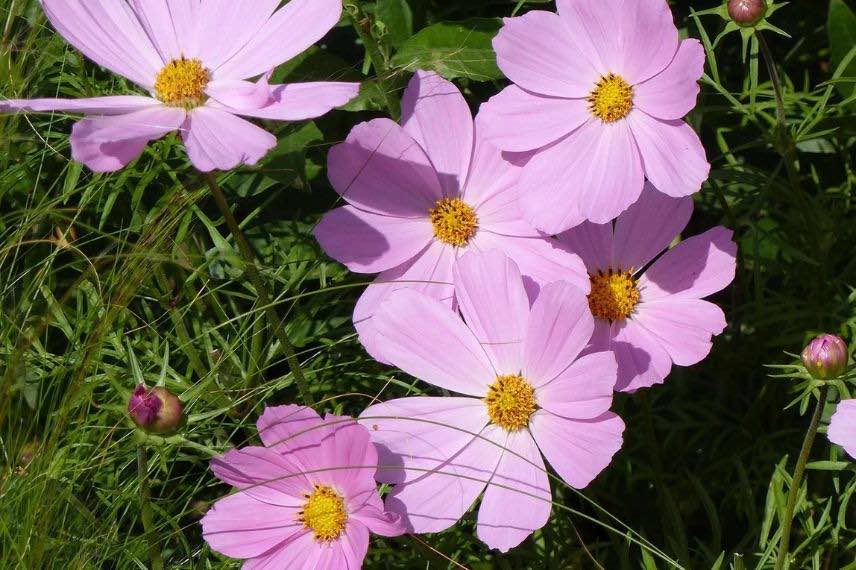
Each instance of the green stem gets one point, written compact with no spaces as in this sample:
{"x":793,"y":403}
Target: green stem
{"x":796,"y":480}
{"x":146,"y":509}
{"x":261,"y":289}
{"x":358,"y":18}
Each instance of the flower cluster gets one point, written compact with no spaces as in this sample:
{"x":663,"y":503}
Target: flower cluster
{"x":523,"y":256}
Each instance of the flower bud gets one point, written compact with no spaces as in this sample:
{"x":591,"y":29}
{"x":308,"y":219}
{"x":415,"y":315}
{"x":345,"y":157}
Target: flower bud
{"x":747,"y":12}
{"x":825,"y":356}
{"x":155,"y":410}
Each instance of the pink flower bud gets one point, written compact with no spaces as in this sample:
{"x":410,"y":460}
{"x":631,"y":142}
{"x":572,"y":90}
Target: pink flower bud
{"x":155,"y":410}
{"x":747,"y":12}
{"x":825,"y":356}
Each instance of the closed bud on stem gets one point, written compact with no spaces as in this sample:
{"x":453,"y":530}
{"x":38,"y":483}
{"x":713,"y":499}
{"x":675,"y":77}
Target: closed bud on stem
{"x":825,"y":356}
{"x":747,"y":13}
{"x":155,"y":410}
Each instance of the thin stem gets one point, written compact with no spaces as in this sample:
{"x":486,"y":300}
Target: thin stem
{"x":796,"y":480}
{"x":359,"y":18}
{"x":261,"y":288}
{"x":146,"y":509}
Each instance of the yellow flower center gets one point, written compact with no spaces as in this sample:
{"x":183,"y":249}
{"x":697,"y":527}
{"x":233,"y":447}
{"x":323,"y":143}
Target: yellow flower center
{"x":324,"y":513}
{"x":454,"y":221}
{"x":612,"y":99}
{"x":182,"y":83}
{"x":510,"y":402}
{"x":613,"y":295}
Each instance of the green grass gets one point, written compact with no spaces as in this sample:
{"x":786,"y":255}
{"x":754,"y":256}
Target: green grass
{"x":145,"y":283}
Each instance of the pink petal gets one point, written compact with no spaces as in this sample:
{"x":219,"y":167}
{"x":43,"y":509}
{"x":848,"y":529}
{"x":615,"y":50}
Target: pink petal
{"x":492,"y":179}
{"x":594,"y":174}
{"x":347,"y":459}
{"x":237,"y":95}
{"x":299,"y":551}
{"x":672,"y":154}
{"x":438,"y":500}
{"x":537,"y":52}
{"x":649,"y":38}
{"x":381,"y":169}
{"x":633,"y":39}
{"x":288,"y":32}
{"x":226,"y":26}
{"x":642,"y":359}
{"x":430,"y":273}
{"x":420,"y":434}
{"x":583,"y":390}
{"x":577,"y":449}
{"x":114,"y":105}
{"x":429,"y":341}
{"x":108,"y":143}
{"x":594,"y":27}
{"x":263,"y":474}
{"x":593,"y":243}
{"x":517,"y":501}
{"x":301,"y":101}
{"x":842,"y":426}
{"x":673,"y":92}
{"x":437,"y":116}
{"x":352,"y":546}
{"x":541,"y":258}
{"x":381,"y":522}
{"x":171,"y":25}
{"x":217,"y":140}
{"x":241,"y":526}
{"x":560,"y":326}
{"x":289,"y":428}
{"x":489,"y":289}
{"x":684,"y":327}
{"x":697,"y":267}
{"x":109,"y":34}
{"x":648,"y":227}
{"x":370,"y":243}
{"x":517,"y":121}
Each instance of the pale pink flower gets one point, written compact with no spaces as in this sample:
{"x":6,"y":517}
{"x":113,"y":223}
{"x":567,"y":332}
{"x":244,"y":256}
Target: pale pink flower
{"x":525,"y":392}
{"x":307,"y":499}
{"x":194,"y":59}
{"x":601,"y":89}
{"x":422,"y":194}
{"x":842,"y":426}
{"x":654,"y":316}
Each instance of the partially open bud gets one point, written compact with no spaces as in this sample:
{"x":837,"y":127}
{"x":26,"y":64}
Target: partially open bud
{"x":825,"y":356}
{"x":747,"y":12}
{"x":155,"y":410}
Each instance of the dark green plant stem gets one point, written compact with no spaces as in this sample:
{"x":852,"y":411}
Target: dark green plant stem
{"x":146,"y":509}
{"x":796,"y":480}
{"x":359,"y":19}
{"x":261,"y":289}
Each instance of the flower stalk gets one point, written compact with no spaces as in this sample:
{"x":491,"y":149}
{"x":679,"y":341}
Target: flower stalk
{"x":796,"y":480}
{"x":261,"y":289}
{"x":155,"y":556}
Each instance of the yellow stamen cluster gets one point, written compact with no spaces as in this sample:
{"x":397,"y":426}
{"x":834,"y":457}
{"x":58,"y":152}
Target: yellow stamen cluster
{"x":454,"y":221}
{"x":510,"y":402}
{"x":324,"y":513}
{"x":614,"y":295}
{"x":182,"y":83}
{"x":611,"y":99}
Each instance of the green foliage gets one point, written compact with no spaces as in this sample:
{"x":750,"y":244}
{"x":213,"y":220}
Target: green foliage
{"x":109,"y":279}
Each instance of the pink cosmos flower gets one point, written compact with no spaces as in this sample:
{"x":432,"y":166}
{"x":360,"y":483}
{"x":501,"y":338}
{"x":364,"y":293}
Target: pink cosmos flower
{"x":194,"y":59}
{"x":653,"y":316}
{"x":307,"y":499}
{"x":526,"y":392}
{"x":601,"y":90}
{"x":842,"y":426}
{"x":422,"y":194}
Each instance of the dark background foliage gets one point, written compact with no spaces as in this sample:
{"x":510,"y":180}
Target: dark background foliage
{"x":106,"y":281}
